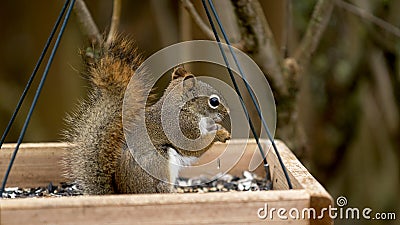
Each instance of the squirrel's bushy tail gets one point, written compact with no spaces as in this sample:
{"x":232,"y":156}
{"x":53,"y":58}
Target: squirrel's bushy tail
{"x":113,"y":65}
{"x":94,"y":129}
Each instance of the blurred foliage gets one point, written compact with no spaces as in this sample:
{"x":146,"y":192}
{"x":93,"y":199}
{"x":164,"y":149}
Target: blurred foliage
{"x":351,"y":106}
{"x":350,"y":93}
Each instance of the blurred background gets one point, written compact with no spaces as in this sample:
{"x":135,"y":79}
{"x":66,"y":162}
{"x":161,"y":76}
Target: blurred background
{"x":348,"y":97}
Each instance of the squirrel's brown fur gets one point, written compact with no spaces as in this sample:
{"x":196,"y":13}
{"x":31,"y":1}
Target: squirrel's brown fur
{"x":98,"y":158}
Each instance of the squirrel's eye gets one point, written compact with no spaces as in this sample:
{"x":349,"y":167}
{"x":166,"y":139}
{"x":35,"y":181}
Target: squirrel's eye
{"x":213,"y":102}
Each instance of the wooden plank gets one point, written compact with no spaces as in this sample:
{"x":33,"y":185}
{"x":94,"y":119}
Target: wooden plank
{"x":207,"y":208}
{"x":278,"y":177}
{"x":234,"y":157}
{"x":301,"y":179}
{"x":36,"y":164}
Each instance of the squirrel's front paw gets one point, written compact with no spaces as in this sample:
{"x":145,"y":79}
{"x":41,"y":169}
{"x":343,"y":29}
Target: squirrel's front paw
{"x":222,"y":135}
{"x":209,"y":127}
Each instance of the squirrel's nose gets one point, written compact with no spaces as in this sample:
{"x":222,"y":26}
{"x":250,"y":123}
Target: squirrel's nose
{"x":217,"y":119}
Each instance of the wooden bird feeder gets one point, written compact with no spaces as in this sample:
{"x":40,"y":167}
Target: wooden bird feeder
{"x":39,"y":164}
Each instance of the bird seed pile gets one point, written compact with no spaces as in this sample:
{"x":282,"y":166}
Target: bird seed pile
{"x":224,"y":183}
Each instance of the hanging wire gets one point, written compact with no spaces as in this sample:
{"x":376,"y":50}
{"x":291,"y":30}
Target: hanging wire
{"x":247,"y":87}
{"x":39,"y":89}
{"x":32,"y":77}
{"x":253,"y":98}
{"x":253,"y":130}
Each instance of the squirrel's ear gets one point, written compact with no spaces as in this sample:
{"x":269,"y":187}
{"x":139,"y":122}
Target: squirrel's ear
{"x":189,"y":81}
{"x":179,"y":72}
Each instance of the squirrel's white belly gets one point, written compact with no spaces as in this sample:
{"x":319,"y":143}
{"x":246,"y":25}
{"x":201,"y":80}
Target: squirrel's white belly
{"x":177,"y":162}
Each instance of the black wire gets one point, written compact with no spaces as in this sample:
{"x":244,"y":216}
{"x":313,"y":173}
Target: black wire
{"x":251,"y":94}
{"x":236,"y":88}
{"x":32,"y":77}
{"x":246,"y":84}
{"x":39,"y":89}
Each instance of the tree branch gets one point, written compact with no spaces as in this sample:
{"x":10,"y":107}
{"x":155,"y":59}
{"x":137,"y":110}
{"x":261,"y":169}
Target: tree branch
{"x":287,"y":29}
{"x":384,"y":89}
{"x":320,"y":17}
{"x":197,"y":19}
{"x":116,"y":14}
{"x":86,"y":22}
{"x":259,"y":42}
{"x":364,"y":14}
